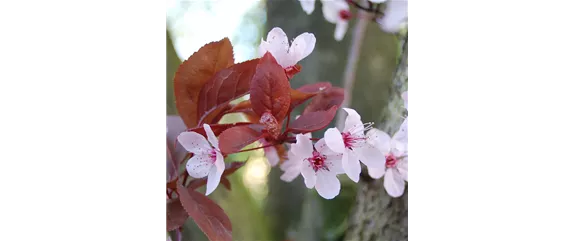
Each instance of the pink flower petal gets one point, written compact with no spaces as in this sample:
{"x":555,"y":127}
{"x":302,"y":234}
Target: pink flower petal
{"x":393,"y":183}
{"x":194,"y":142}
{"x":328,"y":186}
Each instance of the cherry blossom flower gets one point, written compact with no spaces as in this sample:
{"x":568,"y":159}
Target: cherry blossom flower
{"x":334,"y":11}
{"x":353,"y":144}
{"x":396,"y":13}
{"x":395,"y":170}
{"x":319,"y":166}
{"x":337,"y":12}
{"x":287,"y":56}
{"x":292,"y":166}
{"x":207,"y":159}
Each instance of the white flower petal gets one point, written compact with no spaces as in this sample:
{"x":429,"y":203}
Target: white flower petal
{"x":278,"y":45}
{"x":211,"y":136}
{"x":309,"y":175}
{"x":308,"y":6}
{"x":213,"y":180}
{"x":380,"y":140}
{"x":194,"y":142}
{"x":263,"y":48}
{"x":402,"y":167}
{"x":377,"y":1}
{"x":370,"y":156}
{"x":272,"y":156}
{"x":335,"y":163}
{"x":405,"y":96}
{"x":321,"y":147}
{"x":301,"y":47}
{"x":402,"y":134}
{"x":353,"y":122}
{"x":334,"y":140}
{"x":303,"y":148}
{"x":291,"y":161}
{"x":291,"y":167}
{"x":289,"y":175}
{"x":332,"y":9}
{"x":393,"y":183}
{"x":376,"y":173}
{"x":341,"y":29}
{"x":396,"y":14}
{"x":219,"y":162}
{"x":351,"y":166}
{"x":199,"y":165}
{"x":328,"y":186}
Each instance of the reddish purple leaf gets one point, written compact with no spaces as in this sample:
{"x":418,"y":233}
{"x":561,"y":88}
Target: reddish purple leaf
{"x":208,"y":216}
{"x":193,"y":74}
{"x":313,"y":121}
{"x":225,"y":86}
{"x":226,"y":183}
{"x":303,"y":93}
{"x":176,"y":215}
{"x":315,"y":87}
{"x":270,"y":89}
{"x":234,"y":139}
{"x":217,"y":128}
{"x":325,"y":100}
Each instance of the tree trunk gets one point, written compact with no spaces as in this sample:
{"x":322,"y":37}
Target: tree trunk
{"x":376,"y":215}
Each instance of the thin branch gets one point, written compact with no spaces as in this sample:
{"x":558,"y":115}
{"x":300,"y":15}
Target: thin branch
{"x":353,"y":60}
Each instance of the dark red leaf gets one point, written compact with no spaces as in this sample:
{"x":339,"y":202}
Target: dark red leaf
{"x":225,"y":86}
{"x":325,"y":100}
{"x":303,"y":93}
{"x":270,"y":89}
{"x":313,"y":121}
{"x":226,"y":183}
{"x":176,"y":215}
{"x":193,"y":73}
{"x":208,"y":216}
{"x":232,"y":167}
{"x":234,"y":139}
{"x":217,"y":128}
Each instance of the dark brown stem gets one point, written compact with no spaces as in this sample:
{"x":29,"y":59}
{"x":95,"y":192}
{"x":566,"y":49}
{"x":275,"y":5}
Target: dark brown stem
{"x":351,"y":67}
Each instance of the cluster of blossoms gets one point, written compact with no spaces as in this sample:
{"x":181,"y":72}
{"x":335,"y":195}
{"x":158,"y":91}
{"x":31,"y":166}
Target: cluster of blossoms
{"x":338,"y":12}
{"x":338,"y":152}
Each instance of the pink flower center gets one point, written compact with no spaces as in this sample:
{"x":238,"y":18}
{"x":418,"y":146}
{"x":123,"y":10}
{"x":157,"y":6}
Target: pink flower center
{"x":213,"y":155}
{"x":345,"y":14}
{"x":391,"y":160}
{"x":351,"y":141}
{"x":317,"y":161}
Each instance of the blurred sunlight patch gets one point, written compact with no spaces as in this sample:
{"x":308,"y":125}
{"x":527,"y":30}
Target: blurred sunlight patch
{"x":255,"y":176}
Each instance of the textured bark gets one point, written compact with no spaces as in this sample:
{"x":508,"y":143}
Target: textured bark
{"x":376,"y":215}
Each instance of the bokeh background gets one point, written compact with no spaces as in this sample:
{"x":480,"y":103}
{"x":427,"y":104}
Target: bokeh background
{"x":260,"y":205}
